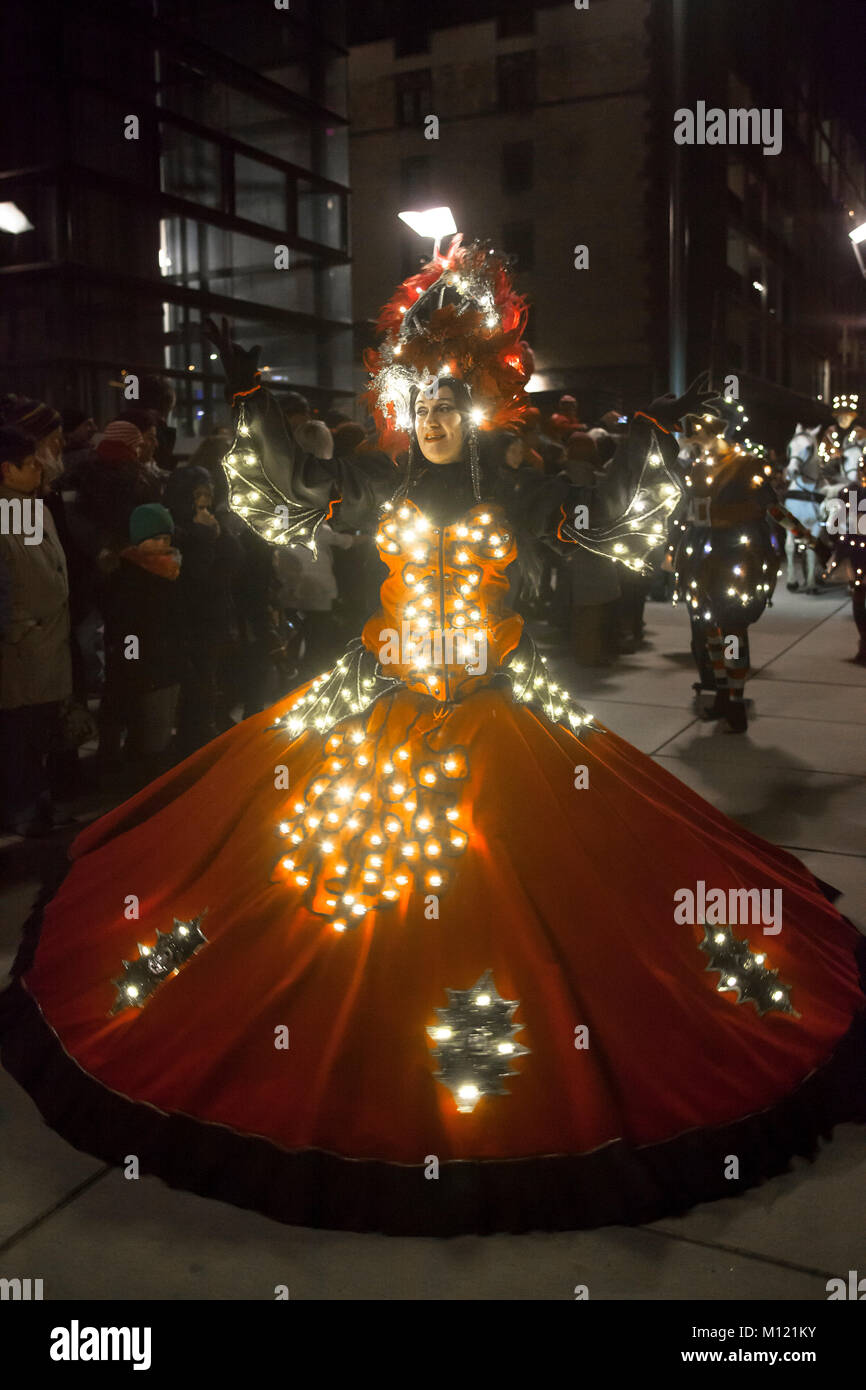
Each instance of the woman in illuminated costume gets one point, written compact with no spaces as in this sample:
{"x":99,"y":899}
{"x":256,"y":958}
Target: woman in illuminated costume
{"x":426,"y":911}
{"x":726,"y":562}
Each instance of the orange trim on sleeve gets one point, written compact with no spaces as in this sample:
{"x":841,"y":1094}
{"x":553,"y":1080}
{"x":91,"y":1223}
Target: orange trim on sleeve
{"x":567,"y":539}
{"x":257,"y":387}
{"x":652,"y":421}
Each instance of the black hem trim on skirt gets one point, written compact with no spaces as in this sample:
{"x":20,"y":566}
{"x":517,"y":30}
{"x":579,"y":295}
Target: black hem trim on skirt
{"x":614,"y":1184}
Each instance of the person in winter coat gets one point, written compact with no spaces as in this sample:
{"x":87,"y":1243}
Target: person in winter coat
{"x":78,"y":430}
{"x":5,"y":600}
{"x":108,"y":487}
{"x":211,"y":556}
{"x":594,"y":581}
{"x":142,"y":640}
{"x":35,"y":664}
{"x":247,"y":668}
{"x":158,"y":395}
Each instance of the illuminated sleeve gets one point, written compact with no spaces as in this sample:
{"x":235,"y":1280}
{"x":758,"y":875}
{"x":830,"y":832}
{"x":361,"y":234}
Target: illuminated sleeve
{"x":285,"y":495}
{"x":633,"y":502}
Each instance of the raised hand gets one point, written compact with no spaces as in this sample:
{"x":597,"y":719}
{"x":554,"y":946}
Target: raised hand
{"x":240,"y":364}
{"x":670,"y":410}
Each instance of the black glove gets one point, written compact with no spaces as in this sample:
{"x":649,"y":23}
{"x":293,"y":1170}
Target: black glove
{"x":241,"y":365}
{"x":670,"y":410}
{"x":823,"y":552}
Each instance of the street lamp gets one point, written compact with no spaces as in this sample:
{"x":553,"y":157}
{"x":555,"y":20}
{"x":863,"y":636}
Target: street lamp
{"x":433,"y":222}
{"x":13,"y":220}
{"x":857,"y":236}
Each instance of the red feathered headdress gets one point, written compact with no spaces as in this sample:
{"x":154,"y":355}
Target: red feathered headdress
{"x":458,"y":317}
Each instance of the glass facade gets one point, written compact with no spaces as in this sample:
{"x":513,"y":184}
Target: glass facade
{"x":225,"y":194}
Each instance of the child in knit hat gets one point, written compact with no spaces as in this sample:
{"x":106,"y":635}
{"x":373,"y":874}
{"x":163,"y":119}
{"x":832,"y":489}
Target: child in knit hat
{"x":120,"y":443}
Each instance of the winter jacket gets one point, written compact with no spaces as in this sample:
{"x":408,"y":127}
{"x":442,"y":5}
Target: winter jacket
{"x":211,"y":559}
{"x":35,"y":663}
{"x":141,"y":599}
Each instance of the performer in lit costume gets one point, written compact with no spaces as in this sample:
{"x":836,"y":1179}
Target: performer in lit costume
{"x":843,"y":444}
{"x":726,"y":561}
{"x":402,"y":953}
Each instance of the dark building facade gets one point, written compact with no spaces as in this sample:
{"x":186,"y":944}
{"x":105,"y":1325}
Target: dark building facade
{"x":164,"y":153}
{"x":556,"y":130}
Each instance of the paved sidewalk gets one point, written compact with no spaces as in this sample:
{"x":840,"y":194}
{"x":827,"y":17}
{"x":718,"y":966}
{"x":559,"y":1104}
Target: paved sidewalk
{"x":798,"y":778}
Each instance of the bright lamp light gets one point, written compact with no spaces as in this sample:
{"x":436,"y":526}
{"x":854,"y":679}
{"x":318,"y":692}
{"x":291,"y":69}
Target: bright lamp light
{"x":13,"y":220}
{"x":433,"y":222}
{"x":857,"y":235}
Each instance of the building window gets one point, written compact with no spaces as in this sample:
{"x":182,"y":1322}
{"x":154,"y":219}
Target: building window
{"x":517,"y":166}
{"x":515,"y":22}
{"x":519,"y":241}
{"x":413,"y":36}
{"x":413,"y":96}
{"x":414,"y":178}
{"x":736,"y":179}
{"x":516,"y":80}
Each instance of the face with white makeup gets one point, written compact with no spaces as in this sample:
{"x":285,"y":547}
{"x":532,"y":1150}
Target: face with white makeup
{"x":440,"y":425}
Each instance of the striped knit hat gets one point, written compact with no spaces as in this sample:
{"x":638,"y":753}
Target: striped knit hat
{"x":33,"y":417}
{"x":120,"y":442}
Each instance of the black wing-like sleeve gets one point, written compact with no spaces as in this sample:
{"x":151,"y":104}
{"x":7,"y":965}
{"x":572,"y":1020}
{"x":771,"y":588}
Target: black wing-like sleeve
{"x":285,"y":495}
{"x":626,"y":514}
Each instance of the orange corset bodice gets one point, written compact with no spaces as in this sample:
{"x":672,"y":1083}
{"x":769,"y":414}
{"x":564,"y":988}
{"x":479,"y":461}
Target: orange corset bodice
{"x":443,"y":621}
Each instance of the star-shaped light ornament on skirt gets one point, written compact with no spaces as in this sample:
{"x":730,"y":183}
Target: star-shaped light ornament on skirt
{"x":475,"y":1042}
{"x":157,"y":963}
{"x":745,"y":972}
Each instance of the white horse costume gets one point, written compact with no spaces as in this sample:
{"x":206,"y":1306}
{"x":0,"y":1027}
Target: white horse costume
{"x":804,"y":497}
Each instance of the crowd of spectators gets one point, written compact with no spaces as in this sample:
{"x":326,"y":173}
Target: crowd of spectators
{"x":150,"y":618}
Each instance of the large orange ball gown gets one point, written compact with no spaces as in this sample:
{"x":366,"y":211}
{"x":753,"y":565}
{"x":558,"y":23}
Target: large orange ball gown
{"x":421,"y":967}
